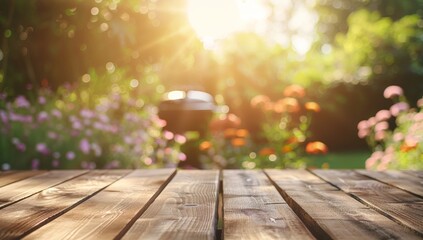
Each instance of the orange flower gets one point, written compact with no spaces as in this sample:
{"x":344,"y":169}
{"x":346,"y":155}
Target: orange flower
{"x":204,"y":146}
{"x":266,"y":151}
{"x":242,"y":133}
{"x":279,"y":106}
{"x":286,"y":149}
{"x":229,"y":133}
{"x":238,"y":142}
{"x":291,"y":104}
{"x":292,"y":140}
{"x":312,"y":106}
{"x":294,"y":90}
{"x":224,"y":122}
{"x":316,"y":148}
{"x":259,"y":100}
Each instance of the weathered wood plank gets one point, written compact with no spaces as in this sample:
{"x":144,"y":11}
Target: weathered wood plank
{"x":417,"y":173}
{"x":105,"y":215}
{"x":398,"y":179}
{"x":24,"y":216}
{"x":17,"y":176}
{"x":24,"y":188}
{"x":383,"y":197}
{"x":186,"y":209}
{"x":333,"y":214}
{"x":254,"y":209}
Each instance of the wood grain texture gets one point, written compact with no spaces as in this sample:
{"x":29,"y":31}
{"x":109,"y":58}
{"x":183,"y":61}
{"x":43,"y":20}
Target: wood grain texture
{"x":254,"y":209}
{"x":333,"y":214}
{"x":404,"y":181}
{"x":17,"y":176}
{"x":24,"y":188}
{"x":186,"y":209}
{"x":105,"y":215}
{"x":24,"y":216}
{"x":385,"y":198}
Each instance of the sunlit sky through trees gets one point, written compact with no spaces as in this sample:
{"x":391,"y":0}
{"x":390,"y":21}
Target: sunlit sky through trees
{"x":285,"y":22}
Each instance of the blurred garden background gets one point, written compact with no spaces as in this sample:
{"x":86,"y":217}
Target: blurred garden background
{"x":296,"y":84}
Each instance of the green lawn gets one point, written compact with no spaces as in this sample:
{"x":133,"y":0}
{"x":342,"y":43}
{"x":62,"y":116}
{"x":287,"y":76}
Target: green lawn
{"x":340,"y":160}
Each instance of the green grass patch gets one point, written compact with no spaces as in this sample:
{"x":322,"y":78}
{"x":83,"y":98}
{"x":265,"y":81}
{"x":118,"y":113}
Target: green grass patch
{"x":339,"y":160}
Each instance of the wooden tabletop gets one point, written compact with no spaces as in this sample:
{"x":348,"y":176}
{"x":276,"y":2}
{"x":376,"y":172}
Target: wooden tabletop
{"x":211,"y":204}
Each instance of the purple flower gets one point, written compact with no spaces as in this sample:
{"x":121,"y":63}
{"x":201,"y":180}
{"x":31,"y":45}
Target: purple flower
{"x":383,"y":115}
{"x":55,"y":163}
{"x":21,"y":102}
{"x":70,"y":155}
{"x":35,"y":164}
{"x":397,"y":108}
{"x":21,"y":147}
{"x":88,"y":165}
{"x":96,"y":148}
{"x":84,"y":146}
{"x":42,"y":148}
{"x":3,"y":117}
{"x":42,"y":116}
{"x":112,"y":164}
{"x":393,"y":91}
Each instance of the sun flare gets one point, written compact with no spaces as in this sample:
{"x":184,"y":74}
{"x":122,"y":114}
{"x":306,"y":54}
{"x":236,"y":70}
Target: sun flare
{"x":217,"y":19}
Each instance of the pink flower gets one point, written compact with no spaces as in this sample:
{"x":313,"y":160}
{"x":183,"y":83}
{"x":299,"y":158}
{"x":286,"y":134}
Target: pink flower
{"x":383,"y":115}
{"x":182,"y":157}
{"x":362,"y":133}
{"x":371,"y":121}
{"x":420,"y":103}
{"x":393,"y":91}
{"x":70,"y":155}
{"x":21,"y":102}
{"x":42,"y":100}
{"x":381,"y":126}
{"x":180,"y":139}
{"x":380,"y":135}
{"x":363,"y":125}
{"x":84,"y":146}
{"x":372,"y":160}
{"x":397,"y":137}
{"x":56,"y":113}
{"x":52,"y":135}
{"x":77,"y":125}
{"x":397,"y":108}
{"x":418,"y":117}
{"x":85,"y":113}
{"x":42,"y":148}
{"x":168,"y":135}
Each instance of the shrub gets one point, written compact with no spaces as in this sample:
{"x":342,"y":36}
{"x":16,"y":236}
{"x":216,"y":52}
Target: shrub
{"x":399,"y":146}
{"x":60,"y":131}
